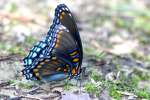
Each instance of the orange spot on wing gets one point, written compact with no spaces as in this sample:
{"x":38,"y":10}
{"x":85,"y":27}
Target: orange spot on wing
{"x":63,"y":13}
{"x":56,"y":46}
{"x":55,"y":62}
{"x":37,"y":74}
{"x":46,"y":60}
{"x":73,"y":71}
{"x":53,"y":58}
{"x":58,"y":69}
{"x":60,"y":32}
{"x":61,"y":17}
{"x":58,"y":41}
{"x":58,"y":36}
{"x":39,"y":66}
{"x":35,"y":70}
{"x":42,"y":63}
{"x":39,"y":78}
{"x":75,"y":59}
{"x":73,"y":53}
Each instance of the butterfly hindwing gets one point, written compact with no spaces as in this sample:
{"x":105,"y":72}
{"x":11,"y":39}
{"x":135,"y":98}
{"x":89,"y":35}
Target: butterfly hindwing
{"x":41,"y":50}
{"x":51,"y":69}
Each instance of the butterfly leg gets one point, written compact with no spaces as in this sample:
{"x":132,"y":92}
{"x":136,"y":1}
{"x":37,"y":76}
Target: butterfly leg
{"x":80,"y":83}
{"x":81,"y":77}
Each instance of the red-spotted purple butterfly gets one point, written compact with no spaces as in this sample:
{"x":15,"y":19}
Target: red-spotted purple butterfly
{"x":60,"y":54}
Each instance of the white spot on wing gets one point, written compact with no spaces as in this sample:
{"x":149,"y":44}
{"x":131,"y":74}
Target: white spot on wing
{"x":41,"y":55}
{"x":69,"y":14}
{"x":30,"y":75}
{"x":34,"y":54}
{"x":38,"y":49}
{"x":67,"y":9}
{"x":53,"y":44}
{"x":29,"y":61}
{"x":57,"y":21}
{"x":27,"y":71}
{"x":43,"y":45}
{"x":63,"y":8}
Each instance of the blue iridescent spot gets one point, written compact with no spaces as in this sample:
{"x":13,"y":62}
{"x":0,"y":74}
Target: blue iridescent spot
{"x":38,"y":49}
{"x":42,"y":45}
{"x":28,"y":61}
{"x":41,"y":55}
{"x":34,"y":54}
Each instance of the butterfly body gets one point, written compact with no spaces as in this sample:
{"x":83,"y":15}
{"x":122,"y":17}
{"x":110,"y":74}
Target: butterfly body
{"x":59,"y":55}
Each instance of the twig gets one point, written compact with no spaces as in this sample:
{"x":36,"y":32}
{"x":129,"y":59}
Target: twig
{"x":127,"y":93}
{"x":19,"y":97}
{"x":30,"y":97}
{"x":12,"y":57}
{"x":3,"y":84}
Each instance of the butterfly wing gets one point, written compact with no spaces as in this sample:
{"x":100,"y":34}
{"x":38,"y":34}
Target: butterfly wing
{"x":57,"y":62}
{"x":41,"y":50}
{"x":63,"y":43}
{"x":64,"y":16}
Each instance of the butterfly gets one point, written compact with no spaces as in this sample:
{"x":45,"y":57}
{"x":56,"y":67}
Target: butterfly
{"x":59,"y":55}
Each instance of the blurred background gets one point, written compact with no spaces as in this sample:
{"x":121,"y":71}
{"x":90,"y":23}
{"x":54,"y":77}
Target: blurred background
{"x":115,"y":36}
